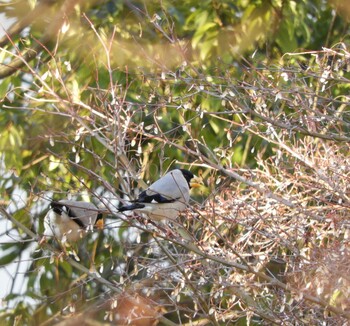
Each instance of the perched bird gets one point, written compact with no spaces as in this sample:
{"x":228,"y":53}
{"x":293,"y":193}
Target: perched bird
{"x":165,"y":198}
{"x":69,"y":220}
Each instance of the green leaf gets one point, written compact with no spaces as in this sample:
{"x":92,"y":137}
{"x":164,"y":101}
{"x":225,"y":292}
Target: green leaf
{"x":286,"y":38}
{"x":4,"y":86}
{"x":214,"y":125}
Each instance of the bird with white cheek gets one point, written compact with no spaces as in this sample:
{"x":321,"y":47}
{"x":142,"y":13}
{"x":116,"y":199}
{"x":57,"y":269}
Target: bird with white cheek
{"x":166,"y":198}
{"x":70,"y":220}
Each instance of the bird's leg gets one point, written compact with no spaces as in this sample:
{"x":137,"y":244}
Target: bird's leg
{"x":166,"y":230}
{"x":169,"y":233}
{"x":43,"y":240}
{"x":151,"y":222}
{"x":61,"y":255}
{"x":140,"y":219}
{"x":136,"y":217}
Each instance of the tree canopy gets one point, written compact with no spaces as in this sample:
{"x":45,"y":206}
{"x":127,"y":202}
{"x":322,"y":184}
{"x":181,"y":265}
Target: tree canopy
{"x":100,"y":98}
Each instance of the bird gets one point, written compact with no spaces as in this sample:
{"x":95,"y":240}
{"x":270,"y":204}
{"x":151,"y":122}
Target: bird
{"x":70,"y":220}
{"x":166,"y":197}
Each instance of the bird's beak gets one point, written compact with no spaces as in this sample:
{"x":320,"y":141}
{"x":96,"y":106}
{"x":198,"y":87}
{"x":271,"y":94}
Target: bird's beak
{"x":99,"y":224}
{"x":196,"y":182}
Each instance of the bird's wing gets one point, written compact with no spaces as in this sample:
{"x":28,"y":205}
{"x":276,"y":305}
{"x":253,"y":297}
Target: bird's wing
{"x":148,"y":196}
{"x":172,"y":186}
{"x":82,"y":213}
{"x":60,"y":208}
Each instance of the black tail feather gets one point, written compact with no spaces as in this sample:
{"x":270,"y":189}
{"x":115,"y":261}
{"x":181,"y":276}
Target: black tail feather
{"x":131,"y":207}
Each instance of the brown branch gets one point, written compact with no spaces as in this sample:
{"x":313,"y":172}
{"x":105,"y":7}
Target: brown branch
{"x":271,"y":280}
{"x":293,"y":128}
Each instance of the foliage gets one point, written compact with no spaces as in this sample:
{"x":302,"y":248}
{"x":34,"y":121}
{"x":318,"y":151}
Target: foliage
{"x":98,"y":96}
